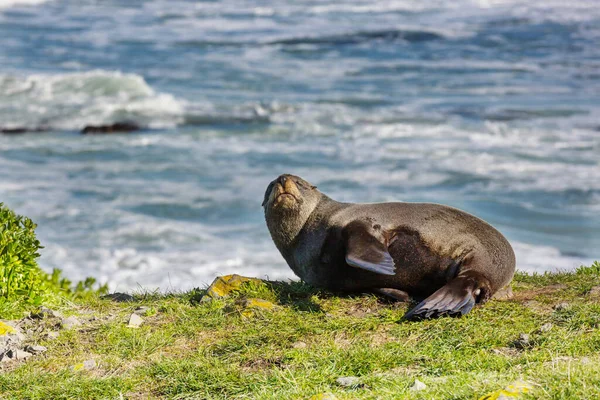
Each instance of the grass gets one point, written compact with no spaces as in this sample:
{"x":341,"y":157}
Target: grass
{"x":187,"y":349}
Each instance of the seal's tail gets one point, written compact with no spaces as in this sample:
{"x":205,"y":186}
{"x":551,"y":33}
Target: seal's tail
{"x":454,"y":299}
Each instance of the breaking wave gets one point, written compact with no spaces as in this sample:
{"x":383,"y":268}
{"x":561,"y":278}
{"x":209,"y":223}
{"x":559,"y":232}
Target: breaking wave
{"x":70,"y":101}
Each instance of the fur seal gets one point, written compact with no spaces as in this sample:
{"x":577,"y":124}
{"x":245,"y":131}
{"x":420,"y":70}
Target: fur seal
{"x":443,"y":255}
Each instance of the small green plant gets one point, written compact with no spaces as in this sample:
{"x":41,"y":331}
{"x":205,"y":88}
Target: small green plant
{"x":22,"y":283}
{"x":19,"y":273}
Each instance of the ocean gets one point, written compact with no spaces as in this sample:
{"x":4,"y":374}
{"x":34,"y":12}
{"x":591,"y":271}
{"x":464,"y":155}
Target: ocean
{"x":489,"y":106}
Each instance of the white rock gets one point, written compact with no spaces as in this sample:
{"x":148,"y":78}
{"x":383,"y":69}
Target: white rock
{"x":348,"y":381}
{"x":37,"y":349}
{"x":135,"y":321}
{"x":70,"y":322}
{"x":418,"y":385}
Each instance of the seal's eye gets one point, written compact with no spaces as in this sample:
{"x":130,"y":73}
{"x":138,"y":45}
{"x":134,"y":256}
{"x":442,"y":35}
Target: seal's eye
{"x":267,"y":193}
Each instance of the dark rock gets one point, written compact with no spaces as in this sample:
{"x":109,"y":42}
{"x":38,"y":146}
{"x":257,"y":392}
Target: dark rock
{"x":20,"y":130}
{"x":118,"y":297}
{"x":522,"y":342}
{"x":118,"y":127}
{"x":561,"y":306}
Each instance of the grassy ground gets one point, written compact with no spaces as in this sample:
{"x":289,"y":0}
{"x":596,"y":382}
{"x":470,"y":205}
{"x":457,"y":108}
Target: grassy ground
{"x":221,"y":350}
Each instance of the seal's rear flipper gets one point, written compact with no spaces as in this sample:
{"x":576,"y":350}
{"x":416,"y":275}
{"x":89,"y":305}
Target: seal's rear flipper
{"x":456,"y":298}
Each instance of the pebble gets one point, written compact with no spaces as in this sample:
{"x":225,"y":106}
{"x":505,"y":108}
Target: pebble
{"x":349,"y":381}
{"x":299,"y":345}
{"x":141,"y":310}
{"x":595,"y":291}
{"x":37,"y":349}
{"x":522,"y":342}
{"x":135,"y":321}
{"x":15,"y":355}
{"x":45,"y":312}
{"x":418,"y":386}
{"x":546,"y":327}
{"x":52,"y":335}
{"x":70,"y":322}
{"x":86,"y":365}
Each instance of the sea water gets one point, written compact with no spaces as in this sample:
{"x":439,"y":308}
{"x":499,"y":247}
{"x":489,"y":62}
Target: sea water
{"x":489,"y":106}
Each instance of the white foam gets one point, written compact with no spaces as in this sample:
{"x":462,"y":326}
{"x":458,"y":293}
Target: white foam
{"x":72,"y":100}
{"x":13,"y":3}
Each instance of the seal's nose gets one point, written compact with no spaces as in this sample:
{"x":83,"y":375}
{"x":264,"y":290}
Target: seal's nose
{"x":282,"y":179}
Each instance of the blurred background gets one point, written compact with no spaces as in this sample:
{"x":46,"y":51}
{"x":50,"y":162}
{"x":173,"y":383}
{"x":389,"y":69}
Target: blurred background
{"x":489,"y":106}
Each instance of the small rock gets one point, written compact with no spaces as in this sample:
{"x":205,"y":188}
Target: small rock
{"x":18,"y":355}
{"x":37,"y":349}
{"x":118,"y":297}
{"x":70,"y":322}
{"x":546,"y":327}
{"x":45,"y":312}
{"x":349,"y":381}
{"x":222,"y":286}
{"x":52,"y":335}
{"x":561,"y":306}
{"x":135,"y":321}
{"x":299,"y":345}
{"x":505,"y":293}
{"x":84,"y":366}
{"x":141,"y":310}
{"x":10,"y":334}
{"x":595,"y":291}
{"x":418,"y":386}
{"x":522,"y":342}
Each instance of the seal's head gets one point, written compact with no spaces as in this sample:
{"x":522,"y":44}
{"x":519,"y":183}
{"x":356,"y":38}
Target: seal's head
{"x":288,"y":203}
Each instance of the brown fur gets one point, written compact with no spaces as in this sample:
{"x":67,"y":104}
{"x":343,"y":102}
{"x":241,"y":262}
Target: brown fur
{"x":431,"y":244}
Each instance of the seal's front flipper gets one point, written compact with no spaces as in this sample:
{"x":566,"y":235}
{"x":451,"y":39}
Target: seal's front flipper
{"x":366,"y":249}
{"x":456,"y":298}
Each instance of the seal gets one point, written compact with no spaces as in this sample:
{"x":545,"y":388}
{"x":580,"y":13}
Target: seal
{"x":443,"y":255}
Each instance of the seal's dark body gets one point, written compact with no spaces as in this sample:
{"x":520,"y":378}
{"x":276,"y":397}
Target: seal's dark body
{"x":430,"y":244}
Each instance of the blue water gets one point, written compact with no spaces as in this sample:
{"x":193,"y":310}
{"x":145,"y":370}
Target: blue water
{"x":490,"y":106}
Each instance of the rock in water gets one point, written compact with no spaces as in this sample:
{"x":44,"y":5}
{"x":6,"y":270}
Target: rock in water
{"x":118,"y":127}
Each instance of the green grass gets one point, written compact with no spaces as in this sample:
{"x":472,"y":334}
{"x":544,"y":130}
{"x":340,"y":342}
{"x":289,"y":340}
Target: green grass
{"x":209,"y":350}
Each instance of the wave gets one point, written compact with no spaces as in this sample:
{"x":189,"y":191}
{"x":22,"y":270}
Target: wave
{"x":389,"y":35}
{"x":12,"y":3}
{"x":71,"y":101}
